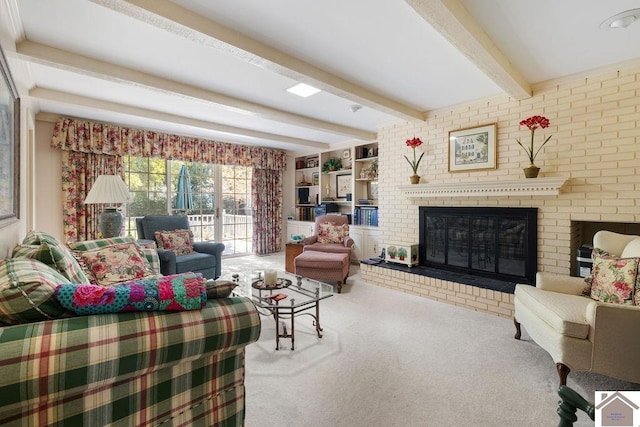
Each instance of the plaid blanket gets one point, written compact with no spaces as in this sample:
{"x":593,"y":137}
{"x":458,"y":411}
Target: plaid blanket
{"x":130,"y":368}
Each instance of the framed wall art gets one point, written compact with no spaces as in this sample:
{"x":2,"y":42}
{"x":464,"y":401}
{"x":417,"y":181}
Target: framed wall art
{"x":9,"y":146}
{"x":373,"y":190}
{"x":343,"y":185}
{"x":473,"y":149}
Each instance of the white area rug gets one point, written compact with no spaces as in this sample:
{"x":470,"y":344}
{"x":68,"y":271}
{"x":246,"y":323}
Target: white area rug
{"x":393,"y":359}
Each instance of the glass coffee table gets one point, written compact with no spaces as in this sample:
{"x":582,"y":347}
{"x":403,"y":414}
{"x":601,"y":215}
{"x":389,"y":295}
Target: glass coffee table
{"x":291,"y":296}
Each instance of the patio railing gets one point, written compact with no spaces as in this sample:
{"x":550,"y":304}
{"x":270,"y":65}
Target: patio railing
{"x":234,"y":226}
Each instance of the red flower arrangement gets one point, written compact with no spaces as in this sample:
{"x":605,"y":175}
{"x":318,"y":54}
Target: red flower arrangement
{"x":414,"y":143}
{"x":534,"y":123}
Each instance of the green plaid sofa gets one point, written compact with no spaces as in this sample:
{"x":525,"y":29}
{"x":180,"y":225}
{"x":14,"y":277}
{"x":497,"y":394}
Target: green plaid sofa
{"x":128,"y":369}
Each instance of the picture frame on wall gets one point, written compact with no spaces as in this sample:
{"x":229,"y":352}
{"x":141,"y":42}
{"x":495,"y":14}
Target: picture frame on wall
{"x":343,"y":185}
{"x":9,"y":145}
{"x":315,"y":178}
{"x":473,"y":148}
{"x":373,"y":190}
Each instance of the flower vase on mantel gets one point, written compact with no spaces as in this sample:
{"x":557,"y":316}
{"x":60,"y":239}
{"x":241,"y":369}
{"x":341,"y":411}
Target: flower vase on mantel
{"x":414,"y":143}
{"x":533,"y":123}
{"x":531,"y":171}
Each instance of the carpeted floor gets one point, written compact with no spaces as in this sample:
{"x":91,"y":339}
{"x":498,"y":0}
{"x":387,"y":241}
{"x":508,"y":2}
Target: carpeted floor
{"x":393,"y":359}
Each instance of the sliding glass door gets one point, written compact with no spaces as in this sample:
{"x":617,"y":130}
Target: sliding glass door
{"x":217,"y":199}
{"x":237,"y":213}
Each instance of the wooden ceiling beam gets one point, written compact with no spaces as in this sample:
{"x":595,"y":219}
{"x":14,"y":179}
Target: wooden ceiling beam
{"x":458,"y":27}
{"x":97,"y":104}
{"x":173,"y":18}
{"x":68,"y":61}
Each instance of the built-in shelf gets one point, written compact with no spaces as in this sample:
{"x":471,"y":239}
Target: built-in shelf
{"x":519,"y":187}
{"x":338,"y":172}
{"x":356,"y":180}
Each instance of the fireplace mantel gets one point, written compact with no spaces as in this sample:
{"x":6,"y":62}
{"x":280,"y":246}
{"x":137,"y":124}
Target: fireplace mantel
{"x":518,"y":187}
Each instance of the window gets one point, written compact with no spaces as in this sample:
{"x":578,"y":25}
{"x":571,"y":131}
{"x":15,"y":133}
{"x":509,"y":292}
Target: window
{"x":147,"y":182}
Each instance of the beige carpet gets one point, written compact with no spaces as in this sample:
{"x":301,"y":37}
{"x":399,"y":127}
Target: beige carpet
{"x":392,"y":359}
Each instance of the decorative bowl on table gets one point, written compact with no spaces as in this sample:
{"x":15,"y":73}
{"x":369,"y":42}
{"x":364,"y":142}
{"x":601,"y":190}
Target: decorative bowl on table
{"x":280,"y":283}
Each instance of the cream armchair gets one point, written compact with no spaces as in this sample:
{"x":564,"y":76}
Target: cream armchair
{"x":579,"y":333}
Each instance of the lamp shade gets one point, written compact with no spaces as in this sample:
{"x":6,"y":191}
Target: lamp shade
{"x":112,"y":190}
{"x":108,"y":189}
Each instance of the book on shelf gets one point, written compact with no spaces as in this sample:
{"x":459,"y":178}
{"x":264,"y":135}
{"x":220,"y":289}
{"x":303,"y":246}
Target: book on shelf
{"x":306,"y":213}
{"x":365,"y":215}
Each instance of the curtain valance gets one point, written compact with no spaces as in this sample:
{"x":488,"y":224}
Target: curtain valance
{"x":99,"y":138}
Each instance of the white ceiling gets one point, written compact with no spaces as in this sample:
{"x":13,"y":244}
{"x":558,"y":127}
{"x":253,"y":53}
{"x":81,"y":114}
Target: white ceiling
{"x":219,"y":69}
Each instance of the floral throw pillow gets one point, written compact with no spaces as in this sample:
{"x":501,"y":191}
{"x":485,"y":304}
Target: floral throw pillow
{"x":596,"y":252}
{"x":614,"y":280}
{"x":329,"y":232}
{"x":180,"y":242}
{"x":115,"y":263}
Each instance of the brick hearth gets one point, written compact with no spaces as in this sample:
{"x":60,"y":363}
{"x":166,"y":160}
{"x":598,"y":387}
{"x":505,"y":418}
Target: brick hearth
{"x":474,"y":298}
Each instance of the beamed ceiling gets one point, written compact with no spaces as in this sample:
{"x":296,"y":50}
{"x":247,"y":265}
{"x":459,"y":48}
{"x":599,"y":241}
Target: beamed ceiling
{"x":219,"y":69}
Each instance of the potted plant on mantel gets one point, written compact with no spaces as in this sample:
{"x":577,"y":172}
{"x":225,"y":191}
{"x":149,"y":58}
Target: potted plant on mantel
{"x":533,"y":123}
{"x":414,"y":143}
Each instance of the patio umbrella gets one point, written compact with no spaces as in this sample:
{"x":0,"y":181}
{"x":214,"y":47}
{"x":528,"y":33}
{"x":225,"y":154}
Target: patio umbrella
{"x":184,"y":197}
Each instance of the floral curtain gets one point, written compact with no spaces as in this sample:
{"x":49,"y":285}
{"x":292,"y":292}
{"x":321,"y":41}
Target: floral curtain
{"x":79,"y":172}
{"x":111,"y":141}
{"x":100,"y":138}
{"x":267,"y":211}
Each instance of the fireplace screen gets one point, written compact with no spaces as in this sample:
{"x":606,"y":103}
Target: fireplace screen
{"x":496,"y":242}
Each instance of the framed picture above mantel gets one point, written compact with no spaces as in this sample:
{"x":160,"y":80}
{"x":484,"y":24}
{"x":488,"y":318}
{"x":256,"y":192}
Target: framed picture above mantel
{"x":9,"y":146}
{"x":473,"y":149}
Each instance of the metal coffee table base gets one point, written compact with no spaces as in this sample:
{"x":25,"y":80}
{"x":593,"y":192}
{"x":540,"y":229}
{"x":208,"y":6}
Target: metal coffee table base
{"x":281,"y":313}
{"x":290,"y":297}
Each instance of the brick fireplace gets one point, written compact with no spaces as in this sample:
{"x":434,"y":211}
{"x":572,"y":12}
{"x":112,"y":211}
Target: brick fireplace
{"x":593,"y":154}
{"x":469,"y":256}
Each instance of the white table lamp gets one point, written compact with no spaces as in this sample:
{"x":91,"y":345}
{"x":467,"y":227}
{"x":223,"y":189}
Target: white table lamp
{"x":109,"y":189}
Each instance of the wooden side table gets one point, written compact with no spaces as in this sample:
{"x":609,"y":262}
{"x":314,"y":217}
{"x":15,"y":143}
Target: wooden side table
{"x":292,"y":250}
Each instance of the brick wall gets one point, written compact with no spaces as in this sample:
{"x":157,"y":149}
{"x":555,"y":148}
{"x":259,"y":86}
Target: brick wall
{"x":595,"y":123}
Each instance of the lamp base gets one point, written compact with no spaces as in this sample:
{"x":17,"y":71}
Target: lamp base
{"x":110,"y":222}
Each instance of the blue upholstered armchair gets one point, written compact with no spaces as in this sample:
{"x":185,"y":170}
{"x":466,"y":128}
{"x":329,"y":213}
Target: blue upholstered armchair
{"x":207,"y":258}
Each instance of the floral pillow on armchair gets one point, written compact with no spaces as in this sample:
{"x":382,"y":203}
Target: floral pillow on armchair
{"x":179,"y":242}
{"x":329,"y":232}
{"x":613,"y":279}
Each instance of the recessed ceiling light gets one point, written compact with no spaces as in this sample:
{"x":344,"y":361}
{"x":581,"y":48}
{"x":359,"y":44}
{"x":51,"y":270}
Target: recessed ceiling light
{"x":303,"y":90}
{"x":622,"y":19}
